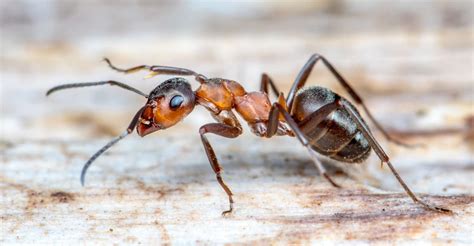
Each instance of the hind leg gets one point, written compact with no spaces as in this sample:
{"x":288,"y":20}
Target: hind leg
{"x":302,"y":77}
{"x":385,"y":159}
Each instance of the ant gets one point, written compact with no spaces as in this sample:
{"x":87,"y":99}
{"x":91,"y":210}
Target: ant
{"x":323,"y":121}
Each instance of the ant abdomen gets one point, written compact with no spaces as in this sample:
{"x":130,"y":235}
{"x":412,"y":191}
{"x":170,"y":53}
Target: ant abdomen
{"x":337,"y":136}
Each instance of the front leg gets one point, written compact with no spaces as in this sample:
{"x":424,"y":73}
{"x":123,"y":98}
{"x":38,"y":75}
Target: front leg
{"x":224,"y":131}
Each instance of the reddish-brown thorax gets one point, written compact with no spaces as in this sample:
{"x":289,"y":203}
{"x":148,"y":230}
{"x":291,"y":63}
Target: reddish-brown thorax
{"x":227,"y":94}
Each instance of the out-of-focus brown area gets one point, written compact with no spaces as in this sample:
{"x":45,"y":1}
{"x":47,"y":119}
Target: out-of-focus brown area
{"x":410,"y":60}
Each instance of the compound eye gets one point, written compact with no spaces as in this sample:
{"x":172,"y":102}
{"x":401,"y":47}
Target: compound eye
{"x":176,"y":101}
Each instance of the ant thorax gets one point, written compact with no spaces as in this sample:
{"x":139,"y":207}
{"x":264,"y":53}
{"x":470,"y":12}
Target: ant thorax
{"x":220,"y":95}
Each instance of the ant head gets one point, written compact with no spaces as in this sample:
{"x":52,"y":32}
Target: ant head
{"x":167,"y":104}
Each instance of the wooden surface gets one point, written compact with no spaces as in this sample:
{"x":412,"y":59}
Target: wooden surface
{"x":414,"y":69}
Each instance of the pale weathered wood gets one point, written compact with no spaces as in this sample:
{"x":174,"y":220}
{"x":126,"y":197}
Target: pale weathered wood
{"x":411,"y":61}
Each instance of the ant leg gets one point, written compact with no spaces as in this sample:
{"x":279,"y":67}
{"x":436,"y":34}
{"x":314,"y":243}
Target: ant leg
{"x":313,"y":119}
{"x":303,"y":76}
{"x":316,"y":118}
{"x":384,"y":157}
{"x":321,"y":168}
{"x":86,"y":84}
{"x":265,"y":80}
{"x":224,"y":131}
{"x":155,"y":70}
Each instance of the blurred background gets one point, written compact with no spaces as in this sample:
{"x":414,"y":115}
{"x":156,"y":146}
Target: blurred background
{"x":411,"y":60}
{"x":419,"y":50}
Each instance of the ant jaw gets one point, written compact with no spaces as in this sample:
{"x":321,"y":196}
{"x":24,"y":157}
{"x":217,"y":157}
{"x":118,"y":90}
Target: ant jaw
{"x":145,"y":127}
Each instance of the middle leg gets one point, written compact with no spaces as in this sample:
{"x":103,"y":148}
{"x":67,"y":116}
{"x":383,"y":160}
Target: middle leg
{"x":315,"y":118}
{"x":265,"y":81}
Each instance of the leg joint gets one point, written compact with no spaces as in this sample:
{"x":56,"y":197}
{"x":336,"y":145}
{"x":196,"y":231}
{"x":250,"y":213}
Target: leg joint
{"x":202,"y":130}
{"x":316,"y":56}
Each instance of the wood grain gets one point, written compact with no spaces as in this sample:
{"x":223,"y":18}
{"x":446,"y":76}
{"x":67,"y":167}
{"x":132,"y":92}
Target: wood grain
{"x":414,"y":69}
